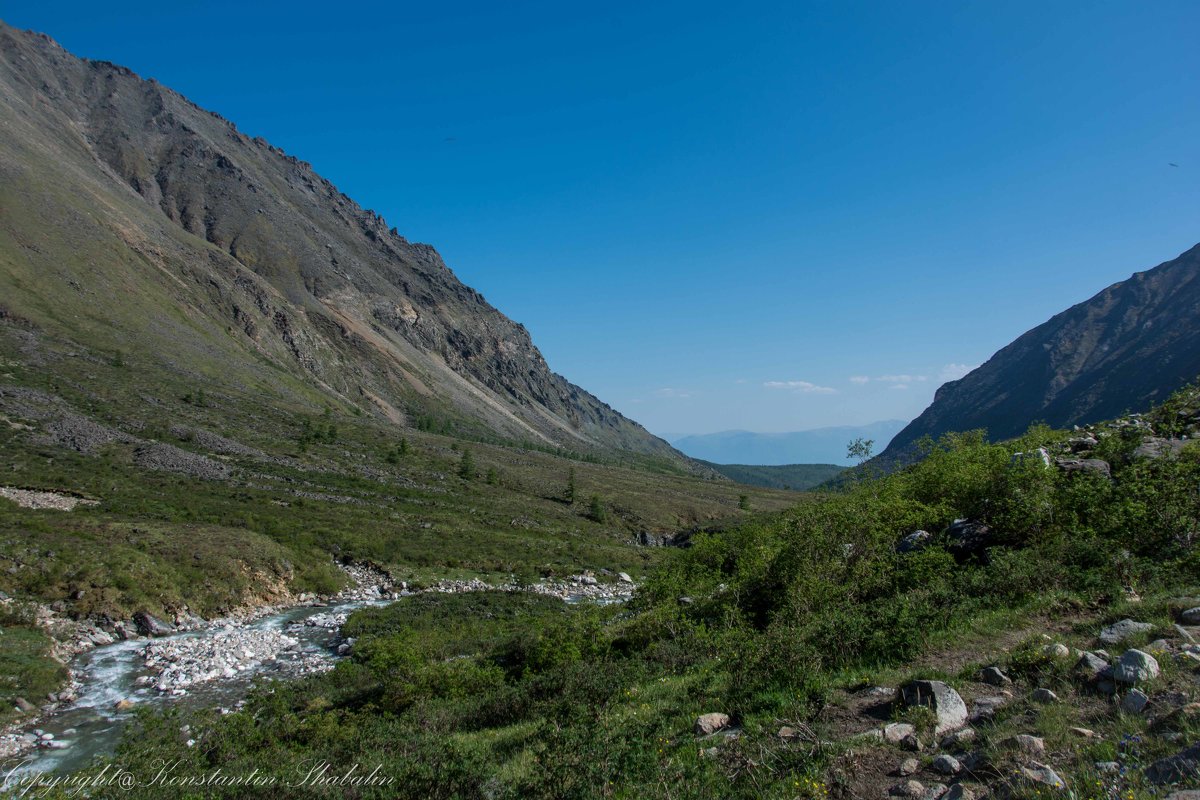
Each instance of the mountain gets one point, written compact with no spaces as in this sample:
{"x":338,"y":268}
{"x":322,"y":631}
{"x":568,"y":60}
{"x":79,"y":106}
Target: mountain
{"x":817,"y":446}
{"x":796,"y":477}
{"x":1123,"y":350}
{"x":137,"y":225}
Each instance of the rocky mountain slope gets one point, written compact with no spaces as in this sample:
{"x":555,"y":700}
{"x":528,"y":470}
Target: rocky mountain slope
{"x":1123,"y":350}
{"x":136,"y":225}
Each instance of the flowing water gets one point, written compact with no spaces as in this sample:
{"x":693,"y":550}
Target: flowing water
{"x":92,"y":725}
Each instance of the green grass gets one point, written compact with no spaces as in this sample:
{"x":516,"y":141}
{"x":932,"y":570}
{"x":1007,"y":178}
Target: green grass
{"x":26,"y":668}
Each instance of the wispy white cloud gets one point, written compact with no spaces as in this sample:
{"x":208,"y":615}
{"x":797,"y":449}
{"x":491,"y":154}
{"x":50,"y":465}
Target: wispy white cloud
{"x":859,"y":379}
{"x":952,"y":372}
{"x":800,"y":387}
{"x":898,"y":386}
{"x":668,"y":392}
{"x":902,"y":378}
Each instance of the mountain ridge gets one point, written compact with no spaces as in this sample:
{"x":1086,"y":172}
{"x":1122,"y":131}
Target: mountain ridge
{"x":156,"y":202}
{"x":825,"y":445}
{"x":1124,"y":349}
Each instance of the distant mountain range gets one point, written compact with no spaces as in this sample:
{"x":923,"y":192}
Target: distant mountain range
{"x":796,"y":477}
{"x":1123,"y":350}
{"x":816,"y":446}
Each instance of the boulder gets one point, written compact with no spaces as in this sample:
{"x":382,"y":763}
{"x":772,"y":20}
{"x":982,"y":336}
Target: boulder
{"x":994,"y":676}
{"x":946,"y":765}
{"x":1024,"y":743}
{"x":1044,"y":696}
{"x":1125,"y":629}
{"x":1135,"y":702}
{"x":1039,"y":776}
{"x":915,"y":541}
{"x":1191,"y":616}
{"x":24,"y":706}
{"x":1056,"y":650}
{"x":908,"y":767}
{"x":149,"y":625}
{"x":1091,"y":666}
{"x":1153,"y":447}
{"x":623,"y":577}
{"x":711,"y":723}
{"x":1172,"y":769}
{"x":965,"y":538}
{"x":909,"y":788}
{"x":947,"y":705}
{"x":959,"y":792}
{"x":1084,"y":466}
{"x":897,"y":732}
{"x":985,"y":707}
{"x":1134,"y":666}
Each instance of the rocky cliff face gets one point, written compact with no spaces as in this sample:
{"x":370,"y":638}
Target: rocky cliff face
{"x":1123,"y":350}
{"x":134,"y":218}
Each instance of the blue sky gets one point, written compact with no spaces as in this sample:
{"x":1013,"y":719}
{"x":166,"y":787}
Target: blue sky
{"x":768,"y":216}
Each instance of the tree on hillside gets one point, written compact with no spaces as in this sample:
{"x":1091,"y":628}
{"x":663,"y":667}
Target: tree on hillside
{"x":596,"y":509}
{"x":860,"y":449}
{"x":569,"y":495}
{"x":466,"y":467}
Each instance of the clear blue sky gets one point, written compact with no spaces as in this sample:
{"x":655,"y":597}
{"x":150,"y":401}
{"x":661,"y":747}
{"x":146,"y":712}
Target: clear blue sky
{"x":716,"y":215}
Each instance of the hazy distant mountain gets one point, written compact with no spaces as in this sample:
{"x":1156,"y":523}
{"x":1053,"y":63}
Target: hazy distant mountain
{"x":817,"y":446}
{"x":1123,"y":350}
{"x":797,"y":477}
{"x":137,"y":222}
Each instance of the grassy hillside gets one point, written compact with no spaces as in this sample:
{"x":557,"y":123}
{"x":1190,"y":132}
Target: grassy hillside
{"x":785,"y":624}
{"x":796,"y":477}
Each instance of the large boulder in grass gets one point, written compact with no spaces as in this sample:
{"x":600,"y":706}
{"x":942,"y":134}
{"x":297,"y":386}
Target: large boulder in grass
{"x":1135,"y":666}
{"x":1183,"y":765}
{"x":966,"y":538}
{"x":1125,"y":629}
{"x":946,"y":704}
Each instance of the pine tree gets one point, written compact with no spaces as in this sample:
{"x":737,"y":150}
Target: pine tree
{"x":571,"y":488}
{"x":596,"y":509}
{"x":466,"y":467}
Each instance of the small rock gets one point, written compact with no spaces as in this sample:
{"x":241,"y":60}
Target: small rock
{"x":1091,"y":666}
{"x":994,"y":676}
{"x":1024,"y":743}
{"x":958,"y":739}
{"x":624,"y":577}
{"x":1041,"y":776}
{"x":707,"y":724}
{"x":911,"y":742}
{"x":1185,"y":794}
{"x":1044,"y":696}
{"x":1134,"y":702}
{"x":1056,"y":650}
{"x":788,"y":733}
{"x":896,"y":732}
{"x":1134,"y":666}
{"x":1125,"y":629}
{"x":24,"y":706}
{"x":1084,"y":733}
{"x":1106,"y":767}
{"x":909,"y":788}
{"x":985,"y":707}
{"x":1191,"y":616}
{"x":124,"y":704}
{"x":947,"y":765}
{"x":958,"y":792}
{"x":908,"y":767}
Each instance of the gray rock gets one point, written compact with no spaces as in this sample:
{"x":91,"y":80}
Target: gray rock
{"x":1044,"y":696}
{"x":909,"y":788}
{"x":985,"y":707}
{"x":958,"y":792}
{"x":1084,"y":466}
{"x":946,"y":765}
{"x":965,"y":538}
{"x":934,"y":791}
{"x":1185,"y":794}
{"x":149,"y":625}
{"x":911,"y":742}
{"x":1091,"y":666}
{"x":958,"y":739}
{"x":1125,"y":629}
{"x":1107,"y":767}
{"x":623,"y":577}
{"x":1184,"y":633}
{"x":1134,"y":702}
{"x":711,"y":723}
{"x":1040,"y":776}
{"x":896,"y":732}
{"x":1155,"y":448}
{"x":1056,"y":650}
{"x":908,"y":767}
{"x":994,"y":676}
{"x":1172,"y":769}
{"x":946,"y":703}
{"x":1134,"y":666}
{"x":24,"y":706}
{"x":1191,"y":616}
{"x":915,"y":541}
{"x":1024,"y":743}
